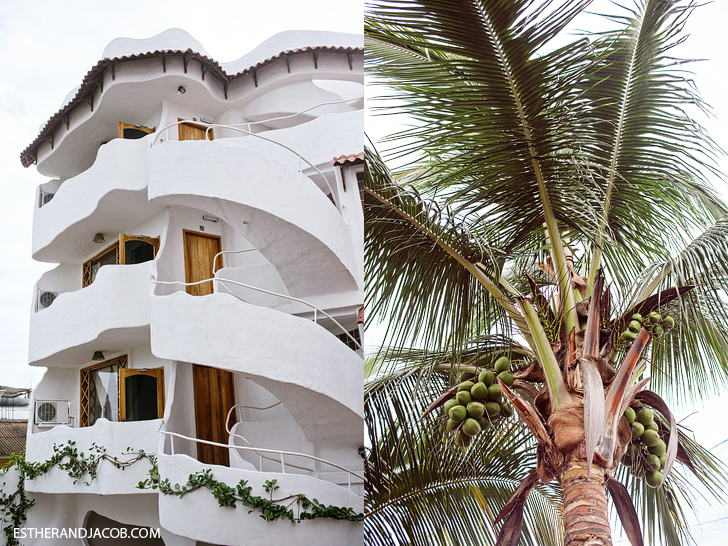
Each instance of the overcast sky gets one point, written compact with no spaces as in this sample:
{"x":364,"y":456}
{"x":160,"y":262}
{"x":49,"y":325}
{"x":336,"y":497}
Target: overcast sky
{"x":47,"y":46}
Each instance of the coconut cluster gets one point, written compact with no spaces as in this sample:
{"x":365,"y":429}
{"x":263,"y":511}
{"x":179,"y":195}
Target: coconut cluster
{"x":478,"y":402}
{"x":646,"y":453}
{"x":655,"y":323}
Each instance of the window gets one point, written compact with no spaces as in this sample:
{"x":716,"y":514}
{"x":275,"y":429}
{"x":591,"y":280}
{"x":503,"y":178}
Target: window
{"x":100,"y":391}
{"x":142,"y":393}
{"x":91,"y":268}
{"x":131,"y":131}
{"x":129,"y":249}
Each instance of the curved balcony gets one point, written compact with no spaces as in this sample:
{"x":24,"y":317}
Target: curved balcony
{"x":280,"y":211}
{"x":320,"y":140}
{"x":116,"y":438}
{"x":316,"y":376}
{"x":110,"y":315}
{"x":109,"y":197}
{"x":190,"y":516}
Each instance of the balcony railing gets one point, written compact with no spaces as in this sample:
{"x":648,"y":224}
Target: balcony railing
{"x":281,"y":455}
{"x":222,"y":281}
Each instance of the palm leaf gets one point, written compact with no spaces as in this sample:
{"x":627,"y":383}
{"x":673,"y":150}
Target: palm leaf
{"x":424,"y":490}
{"x":648,"y":149}
{"x":428,"y":274}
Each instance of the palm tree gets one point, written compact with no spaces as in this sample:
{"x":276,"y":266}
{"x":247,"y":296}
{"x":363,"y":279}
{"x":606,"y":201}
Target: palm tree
{"x":556,"y":197}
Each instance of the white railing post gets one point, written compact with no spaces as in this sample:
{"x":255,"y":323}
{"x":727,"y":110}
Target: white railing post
{"x":283,"y":464}
{"x":171,"y":444}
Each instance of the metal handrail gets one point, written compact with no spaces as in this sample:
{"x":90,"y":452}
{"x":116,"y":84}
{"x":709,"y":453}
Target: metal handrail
{"x":250,"y":133}
{"x":285,"y":296}
{"x":231,"y":433}
{"x":282,"y":453}
{"x":223,"y":252}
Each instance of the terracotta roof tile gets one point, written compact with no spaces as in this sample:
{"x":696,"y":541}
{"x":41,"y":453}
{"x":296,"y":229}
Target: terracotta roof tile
{"x":351,"y":158}
{"x":90,"y":82}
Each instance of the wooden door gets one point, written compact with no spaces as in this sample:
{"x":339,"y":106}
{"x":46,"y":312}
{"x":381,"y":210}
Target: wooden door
{"x":200,"y":251}
{"x":214,"y":388}
{"x":193,"y":131}
{"x":214,"y":396}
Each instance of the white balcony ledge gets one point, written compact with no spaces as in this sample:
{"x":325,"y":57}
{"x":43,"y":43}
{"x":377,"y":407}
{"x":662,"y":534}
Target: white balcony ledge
{"x":115,"y":438}
{"x":280,"y":211}
{"x":109,"y":197}
{"x":316,"y":376}
{"x":190,"y":516}
{"x":111,"y":315}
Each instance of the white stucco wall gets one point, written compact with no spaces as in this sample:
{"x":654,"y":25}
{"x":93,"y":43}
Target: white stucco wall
{"x":286,"y":217}
{"x":115,"y":438}
{"x":107,"y":198}
{"x":191,"y":515}
{"x":112,"y":314}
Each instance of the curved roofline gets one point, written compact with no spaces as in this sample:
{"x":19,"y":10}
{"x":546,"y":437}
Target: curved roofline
{"x":94,"y":79}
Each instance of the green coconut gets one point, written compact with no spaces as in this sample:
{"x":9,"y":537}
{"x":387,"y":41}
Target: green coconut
{"x":638,"y":430}
{"x":479,"y":391}
{"x":447,"y":406}
{"x":652,"y":462}
{"x":654,"y":317}
{"x":484,"y":422}
{"x":650,"y":438}
{"x":659,"y":448}
{"x":630,"y":415}
{"x":494,"y":393}
{"x":458,"y":413}
{"x":502,"y":365}
{"x":465,"y":386}
{"x":645,"y":416}
{"x":487,"y":377}
{"x":663,"y":460}
{"x":507,"y":378}
{"x":652,"y":426}
{"x":506,"y":409}
{"x":451,"y":424}
{"x":668,"y":321}
{"x":471,"y":427}
{"x":492,"y":408}
{"x":476,"y":410}
{"x":634,"y":325}
{"x":654,"y":478}
{"x":658,"y":330}
{"x":628,"y":335}
{"x":463,"y":398}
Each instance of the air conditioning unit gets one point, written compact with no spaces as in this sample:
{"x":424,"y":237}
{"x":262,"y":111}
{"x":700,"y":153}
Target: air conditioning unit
{"x":45,"y":197}
{"x":49,"y":413}
{"x":45,"y":299}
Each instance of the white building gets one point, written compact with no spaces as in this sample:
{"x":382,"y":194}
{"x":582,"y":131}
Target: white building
{"x":166,"y":169}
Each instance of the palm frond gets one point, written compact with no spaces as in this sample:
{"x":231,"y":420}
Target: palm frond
{"x":500,"y":127}
{"x":423,"y":490}
{"x":427,"y":272}
{"x":648,"y":150}
{"x":697,"y":348}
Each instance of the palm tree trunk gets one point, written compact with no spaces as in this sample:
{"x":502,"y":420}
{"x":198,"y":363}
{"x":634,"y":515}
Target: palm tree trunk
{"x":586,"y":519}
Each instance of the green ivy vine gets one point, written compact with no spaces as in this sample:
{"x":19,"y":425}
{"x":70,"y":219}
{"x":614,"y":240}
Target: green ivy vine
{"x":14,"y":506}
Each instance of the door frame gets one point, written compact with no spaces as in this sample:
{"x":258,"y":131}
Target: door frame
{"x":185,"y":233}
{"x":157,"y":373}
